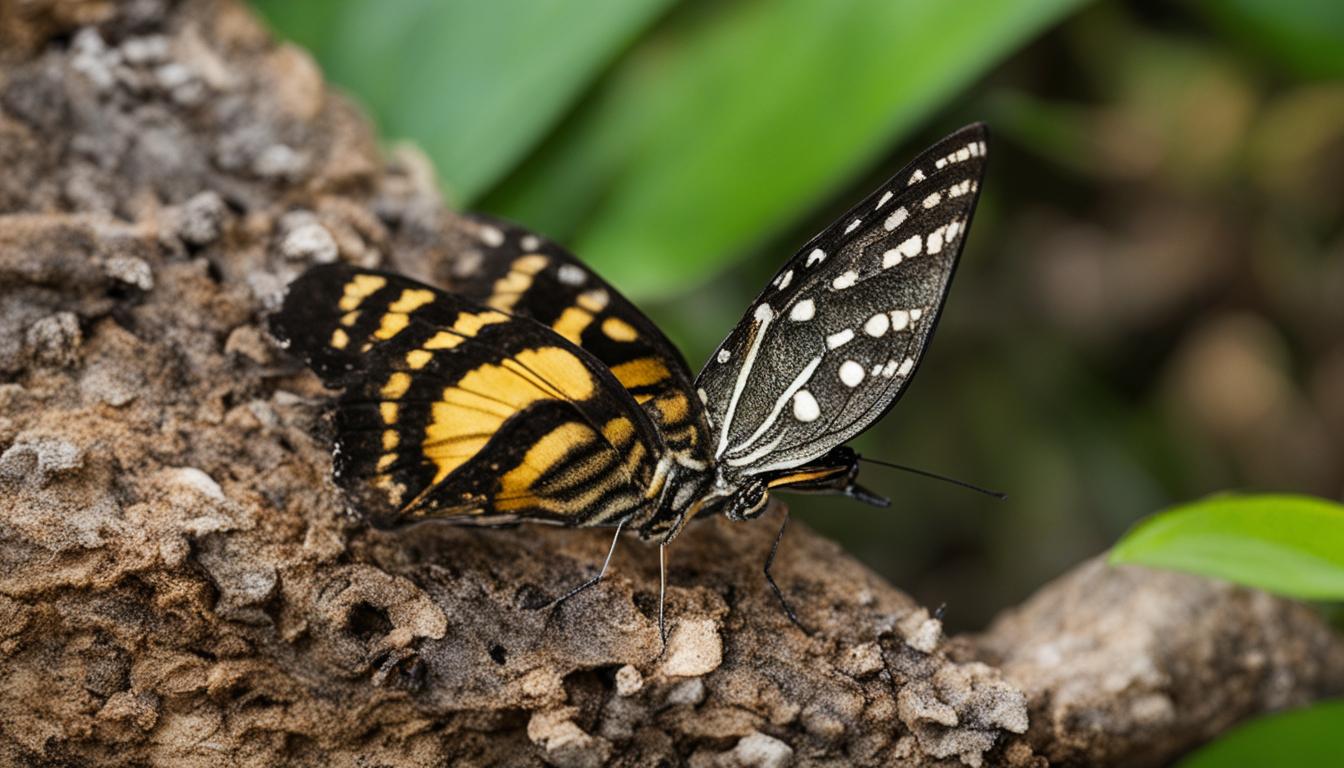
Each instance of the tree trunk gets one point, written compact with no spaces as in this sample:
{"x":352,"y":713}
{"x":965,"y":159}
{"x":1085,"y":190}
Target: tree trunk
{"x":181,"y":584}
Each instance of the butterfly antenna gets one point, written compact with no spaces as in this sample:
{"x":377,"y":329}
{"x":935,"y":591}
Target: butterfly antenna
{"x":893,"y":465}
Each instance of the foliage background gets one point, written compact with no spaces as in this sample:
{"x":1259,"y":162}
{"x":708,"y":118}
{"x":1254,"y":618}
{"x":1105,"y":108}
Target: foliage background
{"x":1150,"y":307}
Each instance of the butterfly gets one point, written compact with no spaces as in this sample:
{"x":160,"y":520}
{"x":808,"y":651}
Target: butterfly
{"x":531,"y":391}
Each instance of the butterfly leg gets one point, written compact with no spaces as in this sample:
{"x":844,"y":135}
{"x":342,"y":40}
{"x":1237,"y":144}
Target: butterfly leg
{"x":662,"y":595}
{"x":593,"y":581}
{"x":769,"y":561}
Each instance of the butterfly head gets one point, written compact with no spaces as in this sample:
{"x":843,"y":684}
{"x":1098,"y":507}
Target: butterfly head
{"x":835,"y":472}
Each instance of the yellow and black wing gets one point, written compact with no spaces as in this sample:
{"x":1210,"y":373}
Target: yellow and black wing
{"x":461,"y":411}
{"x":514,"y":270}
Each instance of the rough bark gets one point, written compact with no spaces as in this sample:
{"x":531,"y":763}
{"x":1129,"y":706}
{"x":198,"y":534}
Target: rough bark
{"x":181,"y":584}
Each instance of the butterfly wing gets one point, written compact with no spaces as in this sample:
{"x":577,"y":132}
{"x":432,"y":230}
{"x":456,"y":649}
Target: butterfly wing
{"x":832,"y":341}
{"x":460,"y":411}
{"x":515,"y":270}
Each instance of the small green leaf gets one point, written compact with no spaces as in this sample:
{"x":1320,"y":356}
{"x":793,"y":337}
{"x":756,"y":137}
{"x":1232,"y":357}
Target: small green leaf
{"x":476,"y":84}
{"x":1291,"y":545}
{"x":1305,"y":737}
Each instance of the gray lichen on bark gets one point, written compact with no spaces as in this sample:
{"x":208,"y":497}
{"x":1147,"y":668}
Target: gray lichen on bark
{"x":181,"y":583}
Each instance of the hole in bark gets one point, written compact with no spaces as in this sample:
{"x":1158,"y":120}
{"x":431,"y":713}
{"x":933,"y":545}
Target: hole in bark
{"x":498,"y":654}
{"x":367,"y":621}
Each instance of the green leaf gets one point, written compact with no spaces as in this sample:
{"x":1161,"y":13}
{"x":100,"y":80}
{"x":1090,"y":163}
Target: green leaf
{"x":476,"y":83}
{"x":1292,"y":545}
{"x":1306,"y":737}
{"x":734,"y":119}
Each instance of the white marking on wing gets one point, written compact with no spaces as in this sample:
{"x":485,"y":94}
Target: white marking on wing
{"x":763,"y":316}
{"x":571,"y":275}
{"x":876,"y":325}
{"x":803,"y":311}
{"x":756,"y":454}
{"x":896,"y":218}
{"x":851,"y":373}
{"x":798,"y":382}
{"x":805,"y":406}
{"x":845,"y":281}
{"x":839,"y":339}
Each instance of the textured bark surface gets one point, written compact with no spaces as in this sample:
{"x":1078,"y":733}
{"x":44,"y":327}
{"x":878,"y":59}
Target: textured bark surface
{"x":180,"y":584}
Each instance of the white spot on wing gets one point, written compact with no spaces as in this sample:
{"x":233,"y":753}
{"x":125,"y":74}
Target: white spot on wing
{"x":885,"y":197}
{"x":764,"y":312}
{"x":906,"y":366}
{"x":571,"y":275}
{"x":839,"y":339}
{"x":900,"y":320}
{"x":816,"y":256}
{"x":724,"y":356}
{"x":916,"y":177}
{"x":805,"y":406}
{"x":932,"y":200}
{"x":876,"y":325}
{"x":851,"y":373}
{"x":936,"y":241}
{"x":704,"y":397}
{"x":915,"y":314}
{"x":845,"y":281}
{"x":530,"y":242}
{"x":803,"y":311}
{"x":491,"y":236}
{"x":784,"y":280}
{"x":853,"y":225}
{"x":896,"y":218}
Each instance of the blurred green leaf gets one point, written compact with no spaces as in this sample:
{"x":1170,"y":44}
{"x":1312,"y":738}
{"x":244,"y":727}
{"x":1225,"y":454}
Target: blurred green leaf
{"x":1307,"y":36}
{"x":1292,"y":545}
{"x":477,"y":83}
{"x":734,"y":119}
{"x":1306,"y":737}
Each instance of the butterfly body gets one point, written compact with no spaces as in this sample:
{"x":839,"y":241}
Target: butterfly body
{"x":532,"y":391}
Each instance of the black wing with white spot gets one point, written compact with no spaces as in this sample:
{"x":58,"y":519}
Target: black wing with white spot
{"x":833,"y":340}
{"x":515,"y":270}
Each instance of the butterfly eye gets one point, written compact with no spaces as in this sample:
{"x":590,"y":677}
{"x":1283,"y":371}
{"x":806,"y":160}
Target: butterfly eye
{"x":749,"y":502}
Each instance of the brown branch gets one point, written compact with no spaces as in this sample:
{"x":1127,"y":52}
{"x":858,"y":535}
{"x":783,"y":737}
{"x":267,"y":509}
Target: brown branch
{"x":180,"y":583}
